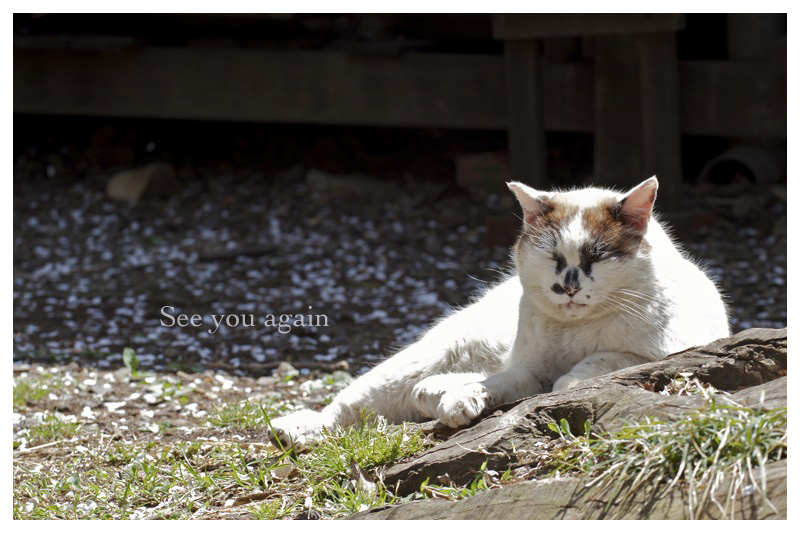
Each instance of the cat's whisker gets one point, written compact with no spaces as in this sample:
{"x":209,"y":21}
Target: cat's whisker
{"x":630,"y":310}
{"x":638,"y":294}
{"x":637,"y":305}
{"x":622,"y":315}
{"x":646,"y":304}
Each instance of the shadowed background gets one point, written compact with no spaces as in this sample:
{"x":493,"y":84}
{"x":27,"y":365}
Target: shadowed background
{"x":254,"y":164}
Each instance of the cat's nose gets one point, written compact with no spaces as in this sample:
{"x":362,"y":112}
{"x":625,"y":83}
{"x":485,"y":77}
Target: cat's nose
{"x":571,"y":284}
{"x":572,"y":290}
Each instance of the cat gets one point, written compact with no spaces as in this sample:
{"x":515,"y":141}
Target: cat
{"x":599,"y":286}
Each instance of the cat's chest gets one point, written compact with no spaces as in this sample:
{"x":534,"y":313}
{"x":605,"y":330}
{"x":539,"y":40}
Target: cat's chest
{"x":556,"y":348}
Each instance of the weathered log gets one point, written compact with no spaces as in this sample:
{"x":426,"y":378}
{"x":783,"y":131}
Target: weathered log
{"x":751,"y":358}
{"x":571,"y":499}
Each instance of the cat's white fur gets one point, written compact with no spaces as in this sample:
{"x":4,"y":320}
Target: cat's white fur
{"x":527,"y":336}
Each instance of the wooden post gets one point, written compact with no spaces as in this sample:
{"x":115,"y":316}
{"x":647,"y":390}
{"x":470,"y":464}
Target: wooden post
{"x":661,"y":133}
{"x":526,"y":136}
{"x":618,"y":122}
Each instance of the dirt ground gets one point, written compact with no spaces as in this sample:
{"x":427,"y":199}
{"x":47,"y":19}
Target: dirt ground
{"x":92,"y":277}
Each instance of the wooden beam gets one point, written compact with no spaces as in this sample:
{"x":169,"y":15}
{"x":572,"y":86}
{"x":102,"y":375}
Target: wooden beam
{"x":526,"y":133}
{"x":717,"y":98}
{"x":327,"y":87}
{"x":733,"y":99}
{"x":661,"y":133}
{"x":750,"y":35}
{"x":618,"y":114}
{"x":532,"y":26}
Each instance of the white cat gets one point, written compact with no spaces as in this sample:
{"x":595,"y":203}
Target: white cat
{"x":600,"y":286}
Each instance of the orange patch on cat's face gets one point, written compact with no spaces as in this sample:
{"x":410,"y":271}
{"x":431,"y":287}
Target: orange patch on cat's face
{"x":549,"y":222}
{"x":603,"y":222}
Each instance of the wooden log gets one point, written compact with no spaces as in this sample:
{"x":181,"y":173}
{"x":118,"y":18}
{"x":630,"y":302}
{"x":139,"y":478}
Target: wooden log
{"x":568,"y":499}
{"x":748,"y":359}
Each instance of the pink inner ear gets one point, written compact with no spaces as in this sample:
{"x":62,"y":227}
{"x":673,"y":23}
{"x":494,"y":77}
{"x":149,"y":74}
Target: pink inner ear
{"x":638,"y":205}
{"x":533,"y":203}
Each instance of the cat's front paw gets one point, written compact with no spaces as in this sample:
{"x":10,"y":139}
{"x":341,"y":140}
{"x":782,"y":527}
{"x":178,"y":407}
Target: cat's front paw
{"x":460,"y":406}
{"x":565,"y":382}
{"x":298,"y":430}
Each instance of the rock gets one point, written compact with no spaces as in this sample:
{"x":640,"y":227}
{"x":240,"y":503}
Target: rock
{"x":751,"y":365}
{"x":267,"y":381}
{"x":156,"y":180}
{"x":286,"y":370}
{"x":352,"y":185}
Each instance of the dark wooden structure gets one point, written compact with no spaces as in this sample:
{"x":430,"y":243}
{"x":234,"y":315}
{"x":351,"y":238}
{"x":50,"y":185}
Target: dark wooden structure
{"x":635,"y":96}
{"x":630,"y":89}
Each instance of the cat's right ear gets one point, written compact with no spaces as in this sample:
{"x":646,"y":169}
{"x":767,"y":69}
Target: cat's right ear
{"x":534,"y":203}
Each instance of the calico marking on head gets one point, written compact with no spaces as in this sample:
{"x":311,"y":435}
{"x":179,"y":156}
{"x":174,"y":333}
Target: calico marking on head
{"x":568,"y":236}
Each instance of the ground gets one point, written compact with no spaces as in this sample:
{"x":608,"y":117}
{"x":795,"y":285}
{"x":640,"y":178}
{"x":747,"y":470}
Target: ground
{"x":93,"y":277}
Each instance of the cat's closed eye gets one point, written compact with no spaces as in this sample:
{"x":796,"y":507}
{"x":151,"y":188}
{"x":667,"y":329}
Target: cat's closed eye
{"x":597,"y":254}
{"x":561,"y":261}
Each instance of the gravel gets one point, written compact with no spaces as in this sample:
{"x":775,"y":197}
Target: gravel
{"x":92,"y":276}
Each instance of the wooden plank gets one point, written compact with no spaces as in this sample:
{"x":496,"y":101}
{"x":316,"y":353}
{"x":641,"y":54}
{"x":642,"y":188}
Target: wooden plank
{"x":526,"y":134}
{"x":661,"y":134}
{"x":327,"y":87}
{"x":717,"y":98}
{"x":529,"y":26}
{"x":618,"y":117}
{"x":568,"y":97}
{"x":733,"y":99}
{"x":751,"y":34}
{"x":81,"y":43}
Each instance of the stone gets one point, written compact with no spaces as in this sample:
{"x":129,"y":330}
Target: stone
{"x":347,"y":186}
{"x":286,"y":371}
{"x":153,"y":181}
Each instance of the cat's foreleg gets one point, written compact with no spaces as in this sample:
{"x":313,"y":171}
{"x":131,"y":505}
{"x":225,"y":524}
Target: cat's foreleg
{"x":427,"y":394}
{"x":460,"y":406}
{"x":385,"y":390}
{"x":596,"y":365}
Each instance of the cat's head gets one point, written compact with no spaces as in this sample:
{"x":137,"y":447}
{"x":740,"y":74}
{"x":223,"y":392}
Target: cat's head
{"x":579,"y":251}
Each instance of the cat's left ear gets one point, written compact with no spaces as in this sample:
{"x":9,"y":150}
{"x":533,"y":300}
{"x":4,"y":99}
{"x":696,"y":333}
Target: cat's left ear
{"x":637,"y":206}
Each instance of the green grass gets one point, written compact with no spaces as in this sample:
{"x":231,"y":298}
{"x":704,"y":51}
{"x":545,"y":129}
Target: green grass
{"x":342,"y":470}
{"x":28,"y":390}
{"x":484,"y":480}
{"x":52,"y":428}
{"x":245,"y":414}
{"x":274,"y":510}
{"x":719,"y":446}
{"x":175,"y":480}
